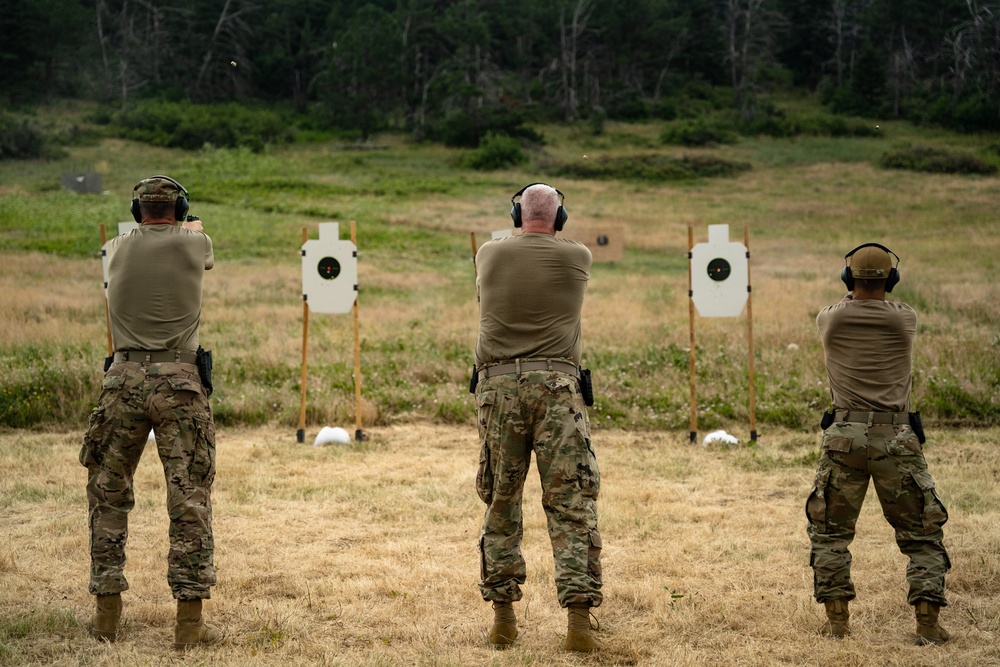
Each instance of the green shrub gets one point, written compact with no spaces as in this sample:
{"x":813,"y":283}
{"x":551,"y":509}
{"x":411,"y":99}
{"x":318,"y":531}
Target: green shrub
{"x":698,"y":132}
{"x":191,"y":126}
{"x":496,"y":151}
{"x":627,"y":105}
{"x":935,"y":160}
{"x":20,"y":138}
{"x":466,"y":130}
{"x":774,"y":122}
{"x":653,"y":167}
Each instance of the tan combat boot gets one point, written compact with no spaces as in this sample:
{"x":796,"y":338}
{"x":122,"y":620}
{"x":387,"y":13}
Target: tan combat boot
{"x":504,"y":629}
{"x":929,"y":631}
{"x":191,"y":629}
{"x":837,"y":617}
{"x":104,"y":622}
{"x":578,"y":637}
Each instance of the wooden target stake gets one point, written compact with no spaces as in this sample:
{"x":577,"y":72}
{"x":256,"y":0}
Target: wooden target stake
{"x":753,"y":417}
{"x":107,"y":308}
{"x":300,"y":435}
{"x":358,"y":433}
{"x":694,"y":408}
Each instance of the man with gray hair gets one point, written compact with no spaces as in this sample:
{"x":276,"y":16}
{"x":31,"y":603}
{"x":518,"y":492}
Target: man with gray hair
{"x":531,"y":395}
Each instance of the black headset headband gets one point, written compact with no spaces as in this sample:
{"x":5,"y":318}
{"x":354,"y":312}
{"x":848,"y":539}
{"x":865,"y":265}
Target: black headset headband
{"x":517,"y":195}
{"x":871,"y":245}
{"x":166,"y":178}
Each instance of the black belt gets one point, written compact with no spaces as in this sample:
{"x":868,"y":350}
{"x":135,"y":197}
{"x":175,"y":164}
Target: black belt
{"x":872,"y":417}
{"x":157,"y":356}
{"x":518,"y":366}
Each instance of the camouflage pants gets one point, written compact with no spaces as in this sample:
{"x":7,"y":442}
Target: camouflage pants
{"x":540,"y":411}
{"x":892,"y":457}
{"x":169,"y":398}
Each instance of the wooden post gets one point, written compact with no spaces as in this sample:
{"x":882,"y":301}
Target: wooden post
{"x":358,"y":433}
{"x":300,"y":435}
{"x":107,"y":308}
{"x":753,"y":418}
{"x":694,"y":408}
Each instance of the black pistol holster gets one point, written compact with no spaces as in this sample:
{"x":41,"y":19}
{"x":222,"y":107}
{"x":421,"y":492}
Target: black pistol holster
{"x":474,"y":380}
{"x":203,"y":359}
{"x":586,"y":387}
{"x":918,"y":426}
{"x":827,"y":420}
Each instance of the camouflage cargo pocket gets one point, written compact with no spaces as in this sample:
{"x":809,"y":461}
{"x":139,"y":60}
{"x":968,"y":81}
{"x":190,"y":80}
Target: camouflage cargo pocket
{"x":905,"y":442}
{"x":816,"y":503}
{"x":202,"y":469}
{"x":98,"y":431}
{"x":594,"y":555}
{"x":484,"y":476}
{"x":486,"y":404}
{"x":934,"y":514}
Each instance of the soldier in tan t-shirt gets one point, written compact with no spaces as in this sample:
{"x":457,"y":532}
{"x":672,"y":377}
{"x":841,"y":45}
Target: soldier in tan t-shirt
{"x":868,"y":346}
{"x":529,"y":398}
{"x":154,"y":303}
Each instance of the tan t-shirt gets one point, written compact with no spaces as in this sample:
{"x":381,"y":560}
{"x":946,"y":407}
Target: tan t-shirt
{"x":531,"y":290}
{"x":154,"y":287}
{"x":869,"y":354}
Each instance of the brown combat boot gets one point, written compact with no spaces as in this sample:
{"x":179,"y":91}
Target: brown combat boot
{"x":578,"y":637}
{"x":504,"y":629}
{"x":837,"y":617}
{"x":191,"y":629}
{"x":929,"y":631}
{"x":104,"y":622}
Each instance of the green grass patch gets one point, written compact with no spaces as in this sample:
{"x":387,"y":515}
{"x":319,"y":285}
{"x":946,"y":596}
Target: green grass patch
{"x":652,"y":167}
{"x":935,"y":161}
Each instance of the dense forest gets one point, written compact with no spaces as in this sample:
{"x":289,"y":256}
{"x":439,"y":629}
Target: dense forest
{"x":434,"y":66}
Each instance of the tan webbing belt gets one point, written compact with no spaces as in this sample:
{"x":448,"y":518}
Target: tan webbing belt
{"x":872,"y":417}
{"x":157,"y":356}
{"x":518,"y":366}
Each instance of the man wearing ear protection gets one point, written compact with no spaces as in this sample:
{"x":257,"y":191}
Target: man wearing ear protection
{"x":530,"y":396}
{"x":872,"y":434}
{"x":153,"y":382}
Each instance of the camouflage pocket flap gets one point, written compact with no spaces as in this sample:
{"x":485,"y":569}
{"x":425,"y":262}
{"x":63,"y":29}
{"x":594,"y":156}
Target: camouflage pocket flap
{"x":837,"y":443}
{"x":924,"y":480}
{"x":113,"y":382}
{"x":561,"y":382}
{"x":486,"y":398}
{"x":595,"y":539}
{"x":183,"y":384}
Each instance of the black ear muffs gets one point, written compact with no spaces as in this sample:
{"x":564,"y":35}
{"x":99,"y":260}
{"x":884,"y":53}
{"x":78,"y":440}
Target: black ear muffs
{"x":515,"y":209}
{"x":181,"y":206}
{"x":891,"y":280}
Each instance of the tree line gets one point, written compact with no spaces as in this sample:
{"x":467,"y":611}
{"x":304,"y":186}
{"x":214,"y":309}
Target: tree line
{"x":430,"y":66}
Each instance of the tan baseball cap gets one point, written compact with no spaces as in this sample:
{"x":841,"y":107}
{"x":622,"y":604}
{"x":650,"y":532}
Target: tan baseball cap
{"x":871,"y":263}
{"x":157,"y":188}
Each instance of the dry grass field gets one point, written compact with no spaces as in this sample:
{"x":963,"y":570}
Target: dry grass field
{"x":365,"y":554}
